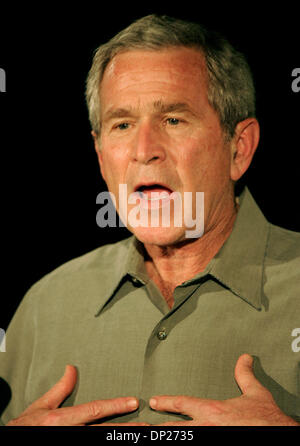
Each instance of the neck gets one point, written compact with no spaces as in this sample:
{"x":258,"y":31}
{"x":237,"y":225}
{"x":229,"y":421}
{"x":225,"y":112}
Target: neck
{"x":170,"y":266}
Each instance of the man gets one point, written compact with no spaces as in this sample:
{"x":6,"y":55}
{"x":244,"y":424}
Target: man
{"x":163,"y":328}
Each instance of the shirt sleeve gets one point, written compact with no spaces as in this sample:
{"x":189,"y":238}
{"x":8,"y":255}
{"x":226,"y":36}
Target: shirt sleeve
{"x":15,"y":361}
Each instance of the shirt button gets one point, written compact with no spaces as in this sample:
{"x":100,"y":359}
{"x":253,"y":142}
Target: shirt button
{"x":162,"y":334}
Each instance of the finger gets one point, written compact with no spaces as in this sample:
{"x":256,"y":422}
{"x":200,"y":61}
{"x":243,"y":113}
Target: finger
{"x":58,"y":393}
{"x":245,"y":377}
{"x":95,"y":410}
{"x":179,"y":404}
{"x":121,"y":424}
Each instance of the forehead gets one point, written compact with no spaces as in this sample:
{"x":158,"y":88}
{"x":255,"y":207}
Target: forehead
{"x":178,"y":70}
{"x":187,"y":59}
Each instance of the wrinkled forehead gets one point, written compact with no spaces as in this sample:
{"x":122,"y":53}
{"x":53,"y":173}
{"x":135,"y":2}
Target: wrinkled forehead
{"x":180,"y":72}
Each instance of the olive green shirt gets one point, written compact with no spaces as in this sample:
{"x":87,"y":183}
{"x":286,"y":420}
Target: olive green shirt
{"x":102,"y":313}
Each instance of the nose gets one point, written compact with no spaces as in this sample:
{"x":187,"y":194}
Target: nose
{"x":149,"y":145}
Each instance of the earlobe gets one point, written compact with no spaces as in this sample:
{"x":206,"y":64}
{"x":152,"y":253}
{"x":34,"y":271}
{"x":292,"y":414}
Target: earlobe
{"x":243,"y":147}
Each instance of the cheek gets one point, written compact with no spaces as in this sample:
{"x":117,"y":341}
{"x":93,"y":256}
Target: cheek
{"x":114,"y":162}
{"x":204,"y":161}
{"x":195,"y":155}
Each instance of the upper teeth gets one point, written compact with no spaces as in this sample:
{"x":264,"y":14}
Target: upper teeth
{"x":161,"y":195}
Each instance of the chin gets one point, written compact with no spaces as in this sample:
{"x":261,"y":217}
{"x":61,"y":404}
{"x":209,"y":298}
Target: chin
{"x":159,"y":236}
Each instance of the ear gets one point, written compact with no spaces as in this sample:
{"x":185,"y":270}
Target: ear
{"x":243,"y":146}
{"x":98,"y":152}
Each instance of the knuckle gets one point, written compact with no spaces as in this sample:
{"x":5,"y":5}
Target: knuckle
{"x":178,"y":403}
{"x":95,"y":410}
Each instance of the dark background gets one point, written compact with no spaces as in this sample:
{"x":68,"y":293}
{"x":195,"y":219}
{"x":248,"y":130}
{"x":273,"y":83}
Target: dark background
{"x":49,"y":172}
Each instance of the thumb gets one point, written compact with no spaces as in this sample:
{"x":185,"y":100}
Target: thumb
{"x":244,"y":375}
{"x":58,"y":393}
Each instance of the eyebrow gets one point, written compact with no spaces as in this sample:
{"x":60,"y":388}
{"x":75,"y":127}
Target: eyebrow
{"x":171,"y":107}
{"x":158,"y":106}
{"x":117,"y":113}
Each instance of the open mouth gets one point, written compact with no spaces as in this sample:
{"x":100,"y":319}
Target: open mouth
{"x":153,"y":196}
{"x":153,"y":191}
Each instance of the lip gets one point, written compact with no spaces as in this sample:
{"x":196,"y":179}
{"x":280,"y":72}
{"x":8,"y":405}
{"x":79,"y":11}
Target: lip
{"x":152,"y":183}
{"x":156,"y":199}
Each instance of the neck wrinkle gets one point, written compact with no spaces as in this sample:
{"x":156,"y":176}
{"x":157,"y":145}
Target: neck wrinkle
{"x":176,"y":264}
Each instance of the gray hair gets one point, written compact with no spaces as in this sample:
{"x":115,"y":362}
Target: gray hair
{"x":230,"y":85}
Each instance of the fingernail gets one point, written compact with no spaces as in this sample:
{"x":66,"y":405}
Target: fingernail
{"x":132,"y":404}
{"x":153,"y":403}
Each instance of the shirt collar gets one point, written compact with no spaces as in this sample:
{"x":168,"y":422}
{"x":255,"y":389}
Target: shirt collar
{"x":129,"y":262}
{"x":238,"y":265}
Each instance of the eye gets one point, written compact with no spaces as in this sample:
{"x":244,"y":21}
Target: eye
{"x":173,"y":121}
{"x":122,"y":126}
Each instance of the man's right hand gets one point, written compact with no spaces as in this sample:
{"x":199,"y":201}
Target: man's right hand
{"x":46,"y":412}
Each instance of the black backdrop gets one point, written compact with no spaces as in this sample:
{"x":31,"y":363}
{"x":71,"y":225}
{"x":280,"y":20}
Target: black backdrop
{"x":50,"y":177}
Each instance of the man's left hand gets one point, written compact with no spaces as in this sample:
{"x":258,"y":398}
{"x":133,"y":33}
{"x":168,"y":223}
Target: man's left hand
{"x":255,"y":407}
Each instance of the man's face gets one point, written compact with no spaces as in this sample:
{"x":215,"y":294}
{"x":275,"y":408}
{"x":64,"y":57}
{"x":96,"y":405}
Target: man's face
{"x":159,"y":133}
